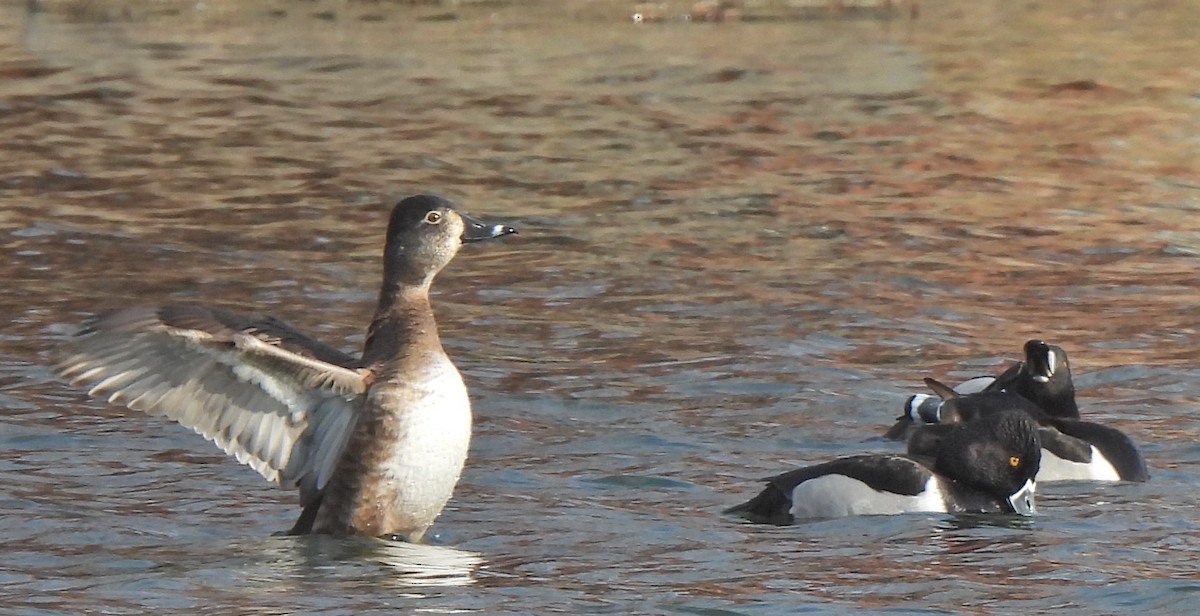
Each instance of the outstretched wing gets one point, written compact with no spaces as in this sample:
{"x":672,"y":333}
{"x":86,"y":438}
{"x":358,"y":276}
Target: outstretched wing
{"x":278,"y":401}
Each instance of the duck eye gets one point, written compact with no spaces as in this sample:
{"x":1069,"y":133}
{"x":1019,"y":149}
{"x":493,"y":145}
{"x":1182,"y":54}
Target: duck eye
{"x":433,"y":218}
{"x":1014,"y":461}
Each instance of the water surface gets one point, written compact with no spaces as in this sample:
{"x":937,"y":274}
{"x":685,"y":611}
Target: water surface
{"x":742,"y":244}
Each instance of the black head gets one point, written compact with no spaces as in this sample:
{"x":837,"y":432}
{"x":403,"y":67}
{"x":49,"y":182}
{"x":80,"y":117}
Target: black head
{"x":1044,"y":361}
{"x":424,"y":234}
{"x":998,"y":454}
{"x":1045,"y":379}
{"x":925,"y":440}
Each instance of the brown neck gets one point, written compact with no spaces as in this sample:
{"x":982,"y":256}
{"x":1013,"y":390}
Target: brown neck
{"x":403,"y":319}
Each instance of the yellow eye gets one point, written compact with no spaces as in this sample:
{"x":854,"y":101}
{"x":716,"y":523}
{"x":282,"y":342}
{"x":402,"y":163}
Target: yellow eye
{"x":433,"y":218}
{"x":1014,"y":461}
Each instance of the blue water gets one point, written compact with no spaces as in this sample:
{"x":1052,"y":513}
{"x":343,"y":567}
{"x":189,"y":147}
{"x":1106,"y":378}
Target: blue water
{"x":742,"y":245}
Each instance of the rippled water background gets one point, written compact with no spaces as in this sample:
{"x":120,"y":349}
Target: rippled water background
{"x":742,"y":244}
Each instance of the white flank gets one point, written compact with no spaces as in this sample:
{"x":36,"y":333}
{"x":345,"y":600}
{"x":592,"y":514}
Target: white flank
{"x":835,"y":496}
{"x":974,"y":385}
{"x":1054,"y":468}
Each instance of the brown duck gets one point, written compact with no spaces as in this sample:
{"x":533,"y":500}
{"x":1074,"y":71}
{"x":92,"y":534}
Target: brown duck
{"x":375,"y":444}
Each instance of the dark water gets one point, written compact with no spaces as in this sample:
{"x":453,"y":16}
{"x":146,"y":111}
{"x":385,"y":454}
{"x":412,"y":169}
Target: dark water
{"x":742,"y":244}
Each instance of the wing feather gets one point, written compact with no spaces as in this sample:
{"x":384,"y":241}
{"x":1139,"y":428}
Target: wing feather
{"x":276,"y":400}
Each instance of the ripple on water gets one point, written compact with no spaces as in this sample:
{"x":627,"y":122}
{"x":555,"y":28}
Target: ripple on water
{"x":743,"y":244}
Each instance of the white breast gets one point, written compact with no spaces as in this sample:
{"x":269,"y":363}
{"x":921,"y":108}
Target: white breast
{"x":432,"y":434}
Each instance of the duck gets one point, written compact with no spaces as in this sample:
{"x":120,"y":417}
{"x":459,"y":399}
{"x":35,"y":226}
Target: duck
{"x":1072,"y":449}
{"x":984,"y":466}
{"x":1044,"y":378}
{"x":375,"y":444}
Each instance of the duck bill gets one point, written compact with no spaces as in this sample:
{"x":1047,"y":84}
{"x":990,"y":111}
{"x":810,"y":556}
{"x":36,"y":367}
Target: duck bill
{"x":1041,"y":360}
{"x":1022,"y":500}
{"x":475,"y":230}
